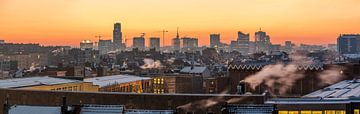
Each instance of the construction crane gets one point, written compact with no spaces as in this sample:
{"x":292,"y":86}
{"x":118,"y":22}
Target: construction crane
{"x":163,"y":35}
{"x":98,"y":36}
{"x":163,"y":32}
{"x":143,"y":35}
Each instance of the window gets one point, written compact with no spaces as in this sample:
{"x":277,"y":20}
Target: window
{"x":329,"y":111}
{"x":316,"y":112}
{"x":293,"y":112}
{"x":305,"y":112}
{"x":340,"y":112}
{"x":283,"y":112}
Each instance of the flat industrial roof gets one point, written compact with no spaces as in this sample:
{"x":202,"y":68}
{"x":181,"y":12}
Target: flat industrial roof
{"x":33,"y":81}
{"x":343,"y":89}
{"x":115,"y":79}
{"x":344,"y":92}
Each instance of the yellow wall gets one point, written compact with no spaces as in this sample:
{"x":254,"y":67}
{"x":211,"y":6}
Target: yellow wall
{"x":136,"y":87}
{"x":79,"y":86}
{"x":312,"y":112}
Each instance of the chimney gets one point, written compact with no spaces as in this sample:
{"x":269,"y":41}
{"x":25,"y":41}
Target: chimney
{"x":241,"y":87}
{"x":63,"y":106}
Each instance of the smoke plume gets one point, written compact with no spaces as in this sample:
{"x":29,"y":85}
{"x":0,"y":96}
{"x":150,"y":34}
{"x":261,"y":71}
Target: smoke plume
{"x":206,"y":103}
{"x":151,"y":64}
{"x":330,"y":76}
{"x":283,"y":76}
{"x":280,"y":75}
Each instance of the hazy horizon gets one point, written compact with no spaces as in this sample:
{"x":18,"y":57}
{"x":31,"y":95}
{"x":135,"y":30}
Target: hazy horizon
{"x":67,"y":22}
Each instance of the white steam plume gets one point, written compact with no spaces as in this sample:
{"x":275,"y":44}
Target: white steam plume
{"x":151,"y":64}
{"x":206,"y":103}
{"x":330,"y":76}
{"x":283,"y":76}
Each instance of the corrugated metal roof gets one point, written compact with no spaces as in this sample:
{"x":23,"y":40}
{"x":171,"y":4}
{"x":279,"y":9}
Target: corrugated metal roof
{"x":142,"y":111}
{"x":260,"y":65}
{"x":344,"y":92}
{"x":34,"y":110}
{"x":343,"y":89}
{"x":102,"y":109}
{"x":115,"y":79}
{"x":33,"y":81}
{"x":195,"y":69}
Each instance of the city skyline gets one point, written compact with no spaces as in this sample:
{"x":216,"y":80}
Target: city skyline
{"x":70,"y":22}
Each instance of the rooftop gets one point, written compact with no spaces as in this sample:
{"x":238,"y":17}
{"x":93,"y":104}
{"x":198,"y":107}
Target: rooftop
{"x":259,"y":65}
{"x":343,"y":89}
{"x":102,"y":109}
{"x":191,"y":70}
{"x":350,"y":36}
{"x":33,"y":81}
{"x":344,"y":92}
{"x":20,"y":109}
{"x":115,"y":79}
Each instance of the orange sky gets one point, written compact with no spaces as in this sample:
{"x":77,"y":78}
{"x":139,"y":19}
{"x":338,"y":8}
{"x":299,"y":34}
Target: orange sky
{"x":67,"y":22}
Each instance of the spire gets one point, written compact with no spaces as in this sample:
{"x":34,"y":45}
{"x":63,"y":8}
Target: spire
{"x":177,"y":32}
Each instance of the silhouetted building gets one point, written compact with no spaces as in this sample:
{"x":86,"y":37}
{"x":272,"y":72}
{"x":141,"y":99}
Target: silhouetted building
{"x":214,"y":40}
{"x":243,"y":42}
{"x":155,"y":43}
{"x":176,"y":42}
{"x":117,"y":36}
{"x":349,"y":44}
{"x":189,"y":44}
{"x":104,"y":46}
{"x":86,"y":44}
{"x":262,"y":42}
{"x":139,"y":43}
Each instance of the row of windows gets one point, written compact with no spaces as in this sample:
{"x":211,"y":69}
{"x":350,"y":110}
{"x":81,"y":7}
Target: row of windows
{"x":69,"y":88}
{"x":158,"y":90}
{"x":158,"y":81}
{"x":314,"y":112}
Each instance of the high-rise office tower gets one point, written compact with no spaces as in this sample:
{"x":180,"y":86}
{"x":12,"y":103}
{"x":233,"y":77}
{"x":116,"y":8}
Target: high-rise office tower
{"x":262,"y":42}
{"x":189,"y":44}
{"x":154,"y":43}
{"x":176,"y":42}
{"x":117,"y":36}
{"x":139,"y":42}
{"x":104,"y":46}
{"x":349,"y":44}
{"x":214,"y":40}
{"x":243,"y":42}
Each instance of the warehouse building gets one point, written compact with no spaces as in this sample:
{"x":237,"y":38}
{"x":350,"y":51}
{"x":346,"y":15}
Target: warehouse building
{"x":120,"y":83}
{"x":340,"y":98}
{"x":48,"y":83}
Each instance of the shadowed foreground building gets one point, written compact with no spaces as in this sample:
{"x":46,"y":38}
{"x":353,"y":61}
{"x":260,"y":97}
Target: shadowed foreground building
{"x":340,"y":98}
{"x":239,"y":71}
{"x":181,"y":103}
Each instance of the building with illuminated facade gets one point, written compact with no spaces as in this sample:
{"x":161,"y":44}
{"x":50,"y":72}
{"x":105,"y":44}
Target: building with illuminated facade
{"x":48,"y":83}
{"x":339,"y":98}
{"x":120,"y":83}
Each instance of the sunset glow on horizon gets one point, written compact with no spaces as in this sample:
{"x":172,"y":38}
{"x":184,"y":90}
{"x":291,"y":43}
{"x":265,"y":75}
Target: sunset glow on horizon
{"x":67,"y":22}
